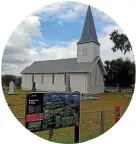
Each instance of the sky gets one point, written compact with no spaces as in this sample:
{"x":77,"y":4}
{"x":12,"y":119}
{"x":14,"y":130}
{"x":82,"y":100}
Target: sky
{"x":52,"y":33}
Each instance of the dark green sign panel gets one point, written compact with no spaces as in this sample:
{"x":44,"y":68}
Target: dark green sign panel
{"x":52,"y":110}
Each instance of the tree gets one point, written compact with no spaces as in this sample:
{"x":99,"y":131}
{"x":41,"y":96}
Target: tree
{"x":120,"y":73}
{"x":120,"y":41}
{"x":109,"y":78}
{"x":6,"y":79}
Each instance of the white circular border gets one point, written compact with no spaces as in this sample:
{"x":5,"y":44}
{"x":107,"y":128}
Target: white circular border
{"x":11,"y":14}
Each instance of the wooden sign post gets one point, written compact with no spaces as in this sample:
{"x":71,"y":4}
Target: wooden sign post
{"x":76,"y":134}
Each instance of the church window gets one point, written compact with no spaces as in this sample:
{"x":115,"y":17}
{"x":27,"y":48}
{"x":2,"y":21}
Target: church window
{"x":95,"y":51}
{"x":53,"y":78}
{"x":90,"y":79}
{"x":32,"y":78}
{"x":65,"y":78}
{"x":100,"y":79}
{"x":42,"y":78}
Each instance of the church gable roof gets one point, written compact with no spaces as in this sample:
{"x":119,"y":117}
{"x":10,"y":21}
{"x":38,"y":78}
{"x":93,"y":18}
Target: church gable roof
{"x":59,"y":66}
{"x":100,"y":63}
{"x":88,"y":32}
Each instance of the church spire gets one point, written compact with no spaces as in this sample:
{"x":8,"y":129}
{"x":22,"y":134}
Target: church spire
{"x":88,"y":32}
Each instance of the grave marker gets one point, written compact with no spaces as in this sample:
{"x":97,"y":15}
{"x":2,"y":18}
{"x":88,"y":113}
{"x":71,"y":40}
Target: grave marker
{"x":11,"y":88}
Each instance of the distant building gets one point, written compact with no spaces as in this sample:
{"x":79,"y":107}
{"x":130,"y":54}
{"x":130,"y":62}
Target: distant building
{"x":86,"y":71}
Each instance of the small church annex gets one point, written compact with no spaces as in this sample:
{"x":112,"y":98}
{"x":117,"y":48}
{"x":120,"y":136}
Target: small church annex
{"x":86,"y":71}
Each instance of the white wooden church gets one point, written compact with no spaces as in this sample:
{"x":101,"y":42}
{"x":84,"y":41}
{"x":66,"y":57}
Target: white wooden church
{"x":86,"y":71}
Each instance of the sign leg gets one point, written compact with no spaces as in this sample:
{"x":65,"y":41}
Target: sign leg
{"x":76,"y":134}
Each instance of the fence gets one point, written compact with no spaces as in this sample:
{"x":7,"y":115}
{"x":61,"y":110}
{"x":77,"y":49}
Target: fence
{"x":116,"y":89}
{"x":92,"y":124}
{"x":95,"y":123}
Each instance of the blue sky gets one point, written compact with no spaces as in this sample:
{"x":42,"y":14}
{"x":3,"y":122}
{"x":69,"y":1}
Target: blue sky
{"x":52,"y":33}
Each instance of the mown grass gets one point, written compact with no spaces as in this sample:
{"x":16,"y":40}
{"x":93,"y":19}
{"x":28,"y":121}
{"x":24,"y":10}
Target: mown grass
{"x":89,"y":118}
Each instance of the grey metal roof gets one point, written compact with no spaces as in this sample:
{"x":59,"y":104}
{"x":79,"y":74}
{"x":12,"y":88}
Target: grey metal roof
{"x":59,"y":66}
{"x":88,"y":32}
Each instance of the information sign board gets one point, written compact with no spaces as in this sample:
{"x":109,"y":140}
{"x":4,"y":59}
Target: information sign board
{"x":46,"y":110}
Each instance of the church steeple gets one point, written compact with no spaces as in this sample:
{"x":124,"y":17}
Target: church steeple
{"x":88,"y":47}
{"x":88,"y":32}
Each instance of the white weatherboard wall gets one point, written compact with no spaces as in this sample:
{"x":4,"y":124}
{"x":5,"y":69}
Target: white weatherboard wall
{"x":87,"y":52}
{"x":47,"y":84}
{"x":95,"y":80}
{"x":23,"y":82}
{"x":26,"y":81}
{"x":78,"y":82}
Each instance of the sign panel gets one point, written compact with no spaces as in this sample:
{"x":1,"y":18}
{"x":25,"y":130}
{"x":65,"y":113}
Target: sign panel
{"x":52,"y":110}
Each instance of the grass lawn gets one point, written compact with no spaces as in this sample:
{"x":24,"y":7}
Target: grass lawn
{"x":89,"y":120}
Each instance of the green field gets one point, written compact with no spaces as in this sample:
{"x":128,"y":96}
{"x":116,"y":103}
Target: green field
{"x":90,"y":115}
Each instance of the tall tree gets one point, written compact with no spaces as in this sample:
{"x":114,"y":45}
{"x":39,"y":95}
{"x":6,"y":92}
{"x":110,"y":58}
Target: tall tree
{"x":120,"y":41}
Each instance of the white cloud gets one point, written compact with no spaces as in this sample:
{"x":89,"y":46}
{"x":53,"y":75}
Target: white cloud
{"x":30,"y":25}
{"x":110,"y":28}
{"x":65,"y":11}
{"x":16,"y":65}
{"x":60,"y":52}
{"x":18,"y":50}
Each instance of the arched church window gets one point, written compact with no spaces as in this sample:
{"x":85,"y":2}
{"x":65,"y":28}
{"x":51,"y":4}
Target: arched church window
{"x":65,"y":78}
{"x":53,"y":78}
{"x":42,"y":78}
{"x":90,"y":79}
{"x":32,"y":78}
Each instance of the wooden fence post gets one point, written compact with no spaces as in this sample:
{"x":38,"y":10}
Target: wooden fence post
{"x":50,"y":134}
{"x":102,"y":122}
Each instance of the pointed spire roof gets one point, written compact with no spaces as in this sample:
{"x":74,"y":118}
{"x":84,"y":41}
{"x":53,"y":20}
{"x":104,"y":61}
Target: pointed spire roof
{"x":88,"y":32}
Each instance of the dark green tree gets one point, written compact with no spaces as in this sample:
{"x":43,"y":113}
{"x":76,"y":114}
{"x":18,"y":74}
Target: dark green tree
{"x":120,"y":73}
{"x":6,"y":79}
